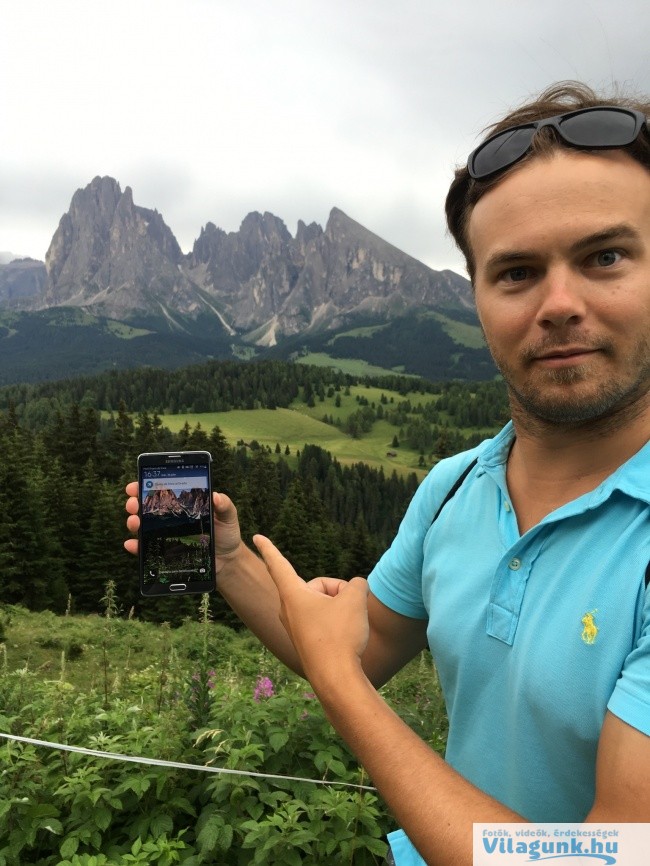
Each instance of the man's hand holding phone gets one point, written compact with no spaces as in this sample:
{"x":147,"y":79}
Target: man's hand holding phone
{"x":242,"y":576}
{"x":227,"y":537}
{"x":173,"y":514}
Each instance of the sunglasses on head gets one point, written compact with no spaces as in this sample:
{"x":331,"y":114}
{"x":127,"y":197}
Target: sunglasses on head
{"x":603,"y":127}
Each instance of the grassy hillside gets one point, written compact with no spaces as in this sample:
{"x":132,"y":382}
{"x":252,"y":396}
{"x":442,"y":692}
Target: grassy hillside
{"x":301,"y":424}
{"x":61,"y":342}
{"x":353,"y":366}
{"x":296,"y":429}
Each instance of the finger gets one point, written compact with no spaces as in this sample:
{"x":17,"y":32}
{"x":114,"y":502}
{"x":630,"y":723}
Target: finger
{"x":224,"y":508}
{"x":132,"y":488}
{"x":327,"y":585}
{"x":132,"y":505}
{"x":133,"y":523}
{"x":359,"y":585}
{"x":283,"y":573}
{"x":131,"y":545}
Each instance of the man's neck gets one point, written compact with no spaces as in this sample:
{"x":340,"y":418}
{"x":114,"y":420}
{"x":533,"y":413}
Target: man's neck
{"x":550,"y":464}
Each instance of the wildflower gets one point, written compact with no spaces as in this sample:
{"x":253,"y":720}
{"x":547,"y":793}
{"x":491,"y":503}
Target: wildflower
{"x":309,"y":696}
{"x":263,"y":689}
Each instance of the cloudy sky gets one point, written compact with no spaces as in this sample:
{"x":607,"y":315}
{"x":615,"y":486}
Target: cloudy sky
{"x":209,"y":109}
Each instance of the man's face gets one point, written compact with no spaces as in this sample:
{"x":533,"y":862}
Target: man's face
{"x":562,"y":250}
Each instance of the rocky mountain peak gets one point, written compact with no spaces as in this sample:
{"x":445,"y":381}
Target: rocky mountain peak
{"x":120,"y":259}
{"x":110,"y":255}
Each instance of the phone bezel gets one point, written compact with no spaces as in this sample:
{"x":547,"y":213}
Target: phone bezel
{"x":176,"y":459}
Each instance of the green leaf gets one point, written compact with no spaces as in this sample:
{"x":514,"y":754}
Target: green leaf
{"x":292,"y":858}
{"x":226,"y":837}
{"x":102,"y":817}
{"x":161,"y":824}
{"x":376,"y":846}
{"x":69,"y":847}
{"x":53,"y":825}
{"x":278,"y":740}
{"x":209,"y":835}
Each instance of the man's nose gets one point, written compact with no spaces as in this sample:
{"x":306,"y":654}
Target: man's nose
{"x":561,"y":298}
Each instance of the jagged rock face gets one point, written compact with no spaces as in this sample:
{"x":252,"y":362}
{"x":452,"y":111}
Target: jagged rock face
{"x":119,"y":259}
{"x":250,"y":272}
{"x":192,"y":503}
{"x":22,"y":284}
{"x":114,"y":257}
{"x":267,"y":279}
{"x":350,"y":270}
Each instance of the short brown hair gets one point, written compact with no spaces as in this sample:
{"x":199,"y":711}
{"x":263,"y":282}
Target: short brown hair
{"x":564,"y":96}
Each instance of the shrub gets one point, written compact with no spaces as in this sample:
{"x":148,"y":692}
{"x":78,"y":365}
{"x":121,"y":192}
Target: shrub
{"x":206,"y":696}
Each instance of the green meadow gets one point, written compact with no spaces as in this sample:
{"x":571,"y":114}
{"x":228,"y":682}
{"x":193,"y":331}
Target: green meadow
{"x":352,"y":366}
{"x":302,"y":424}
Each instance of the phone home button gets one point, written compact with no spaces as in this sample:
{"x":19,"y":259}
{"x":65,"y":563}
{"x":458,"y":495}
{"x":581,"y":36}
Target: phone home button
{"x":177,"y":587}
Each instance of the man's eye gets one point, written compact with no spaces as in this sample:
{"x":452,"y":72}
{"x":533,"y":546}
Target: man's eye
{"x":516,"y":275}
{"x":607,"y":258}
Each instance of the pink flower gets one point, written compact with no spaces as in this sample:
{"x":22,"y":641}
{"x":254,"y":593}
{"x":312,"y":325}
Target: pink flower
{"x":263,"y":689}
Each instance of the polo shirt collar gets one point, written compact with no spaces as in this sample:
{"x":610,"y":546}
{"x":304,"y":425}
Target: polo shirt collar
{"x":632,"y":478}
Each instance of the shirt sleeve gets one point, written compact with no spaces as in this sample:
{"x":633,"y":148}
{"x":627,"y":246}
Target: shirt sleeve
{"x":396,"y":580}
{"x":630,"y":700}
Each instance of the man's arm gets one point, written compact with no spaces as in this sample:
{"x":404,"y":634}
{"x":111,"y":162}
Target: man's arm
{"x":622,"y":774}
{"x":245,"y":583}
{"x":434,"y":804}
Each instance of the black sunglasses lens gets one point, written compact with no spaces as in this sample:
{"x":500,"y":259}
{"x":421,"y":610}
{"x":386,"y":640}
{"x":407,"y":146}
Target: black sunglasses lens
{"x":610,"y":128}
{"x":501,"y":151}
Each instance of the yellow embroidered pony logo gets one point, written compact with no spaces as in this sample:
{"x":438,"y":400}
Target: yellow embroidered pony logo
{"x":590,"y":629}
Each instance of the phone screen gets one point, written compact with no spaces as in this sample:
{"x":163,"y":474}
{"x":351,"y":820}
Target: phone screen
{"x":176,"y":553}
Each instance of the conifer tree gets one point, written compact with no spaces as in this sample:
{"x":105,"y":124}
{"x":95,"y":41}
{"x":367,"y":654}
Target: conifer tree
{"x":222,"y":462}
{"x":104,"y":556}
{"x":361,"y":553}
{"x":264,"y":489}
{"x":293,"y":533}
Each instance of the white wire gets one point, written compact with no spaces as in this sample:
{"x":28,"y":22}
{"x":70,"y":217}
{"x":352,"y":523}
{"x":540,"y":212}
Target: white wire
{"x":156,"y":762}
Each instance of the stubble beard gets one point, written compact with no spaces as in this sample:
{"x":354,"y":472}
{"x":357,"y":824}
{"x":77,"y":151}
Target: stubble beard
{"x":554,"y":398}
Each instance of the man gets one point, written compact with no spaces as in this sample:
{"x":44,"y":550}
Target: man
{"x":528,"y":585}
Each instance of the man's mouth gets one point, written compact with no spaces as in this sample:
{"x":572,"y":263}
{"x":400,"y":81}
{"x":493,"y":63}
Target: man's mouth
{"x":565,"y":355}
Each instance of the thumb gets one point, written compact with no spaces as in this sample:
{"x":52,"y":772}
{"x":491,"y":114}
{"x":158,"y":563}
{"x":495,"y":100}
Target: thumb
{"x":359,"y":585}
{"x":283,"y":573}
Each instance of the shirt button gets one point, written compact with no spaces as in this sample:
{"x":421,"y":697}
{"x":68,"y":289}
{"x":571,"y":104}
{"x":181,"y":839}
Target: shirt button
{"x":514,"y":564}
{"x":506,"y":505}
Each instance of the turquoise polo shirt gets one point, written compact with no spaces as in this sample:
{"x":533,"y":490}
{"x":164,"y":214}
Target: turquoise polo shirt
{"x":534,"y":636}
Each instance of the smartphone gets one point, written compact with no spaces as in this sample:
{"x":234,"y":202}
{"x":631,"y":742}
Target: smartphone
{"x":176,"y":543}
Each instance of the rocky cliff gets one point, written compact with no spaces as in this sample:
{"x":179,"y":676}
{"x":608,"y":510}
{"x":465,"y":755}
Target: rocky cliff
{"x":121,"y":260}
{"x":22,"y":284}
{"x":271,"y":283}
{"x":116,"y":258}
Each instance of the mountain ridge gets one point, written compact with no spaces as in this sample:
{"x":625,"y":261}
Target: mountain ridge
{"x":115,"y":258}
{"x":241,"y":293}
